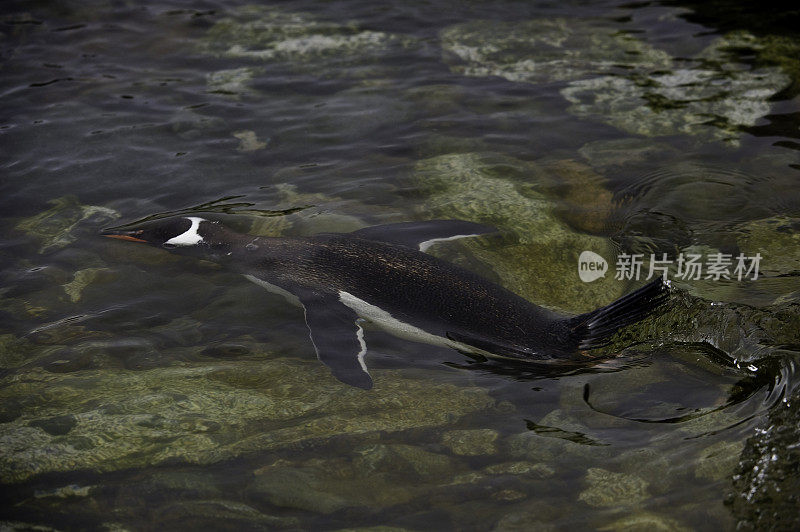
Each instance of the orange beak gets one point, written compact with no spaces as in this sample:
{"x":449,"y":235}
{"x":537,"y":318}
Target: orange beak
{"x":126,"y":237}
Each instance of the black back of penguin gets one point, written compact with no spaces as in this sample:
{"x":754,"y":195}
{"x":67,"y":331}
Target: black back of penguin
{"x":415,"y":288}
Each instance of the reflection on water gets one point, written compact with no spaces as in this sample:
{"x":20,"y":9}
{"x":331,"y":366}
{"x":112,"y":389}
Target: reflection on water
{"x":143,"y":390}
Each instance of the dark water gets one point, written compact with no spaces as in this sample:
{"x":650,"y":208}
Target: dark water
{"x":146,"y":391}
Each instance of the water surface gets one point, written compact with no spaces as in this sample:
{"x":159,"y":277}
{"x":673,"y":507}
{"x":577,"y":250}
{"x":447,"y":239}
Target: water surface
{"x":143,"y":390}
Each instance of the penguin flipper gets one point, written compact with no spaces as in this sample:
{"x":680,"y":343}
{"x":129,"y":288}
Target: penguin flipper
{"x":421,"y":235}
{"x":338,"y":339}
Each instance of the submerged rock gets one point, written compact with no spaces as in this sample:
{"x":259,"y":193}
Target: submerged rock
{"x":217,"y":513}
{"x":308,"y":213}
{"x":83,"y":278}
{"x":534,"y":470}
{"x":328,"y":486}
{"x":542,"y":263}
{"x":777,"y":240}
{"x":232,"y":82}
{"x":302,"y":40}
{"x":14,"y":351}
{"x":766,"y":483}
{"x":471,"y":442}
{"x":55,"y":228}
{"x":684,"y":101}
{"x":606,"y":488}
{"x":646,"y":522}
{"x":546,"y":50}
{"x":374,"y":476}
{"x":610,"y":156}
{"x":616,"y":78}
{"x":713,"y":95}
{"x":746,"y":335}
{"x":399,"y":458}
{"x":248,"y":141}
{"x":205,"y":413}
{"x":718,"y":461}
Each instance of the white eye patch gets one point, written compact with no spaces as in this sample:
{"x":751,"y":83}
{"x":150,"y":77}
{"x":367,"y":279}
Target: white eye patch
{"x":189,"y":238}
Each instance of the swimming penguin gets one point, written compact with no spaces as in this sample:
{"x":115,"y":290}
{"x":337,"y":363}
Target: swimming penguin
{"x":381,"y":274}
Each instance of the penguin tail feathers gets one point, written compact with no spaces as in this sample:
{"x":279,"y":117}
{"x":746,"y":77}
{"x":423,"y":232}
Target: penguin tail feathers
{"x":595,"y":329}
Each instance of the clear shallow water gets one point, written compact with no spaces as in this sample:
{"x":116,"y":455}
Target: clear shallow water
{"x":142,"y":390}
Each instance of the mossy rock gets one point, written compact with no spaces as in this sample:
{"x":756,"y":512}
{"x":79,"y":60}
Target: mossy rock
{"x":719,"y":461}
{"x":300,"y":40}
{"x":473,"y":442}
{"x":609,"y":489}
{"x":711,"y":96}
{"x":55,"y":228}
{"x":542,"y":262}
{"x":645,"y":522}
{"x":545,"y":50}
{"x":203,"y":414}
{"x":776,"y":239}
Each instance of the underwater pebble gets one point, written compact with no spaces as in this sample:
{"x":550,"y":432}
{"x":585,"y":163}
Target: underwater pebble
{"x":606,"y":488}
{"x":233,"y":82}
{"x":400,"y":458}
{"x":471,"y":442}
{"x":248,"y":141}
{"x":83,"y":278}
{"x":64,"y":492}
{"x":719,"y":461}
{"x":536,"y":470}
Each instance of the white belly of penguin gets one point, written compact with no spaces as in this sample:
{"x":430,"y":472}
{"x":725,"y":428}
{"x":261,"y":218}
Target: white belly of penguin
{"x":376,"y":315}
{"x":275,"y":289}
{"x":392,"y":325}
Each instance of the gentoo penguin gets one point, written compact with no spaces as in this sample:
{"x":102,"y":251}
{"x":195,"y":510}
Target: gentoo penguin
{"x":381,"y":274}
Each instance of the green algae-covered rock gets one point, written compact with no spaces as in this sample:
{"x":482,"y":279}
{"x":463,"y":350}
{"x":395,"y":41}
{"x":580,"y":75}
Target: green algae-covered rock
{"x":542,"y":263}
{"x":308,"y":213}
{"x":471,"y":442}
{"x":645,"y":522}
{"x":304,"y":41}
{"x":746,"y":335}
{"x":536,"y":516}
{"x":232,"y":82}
{"x":616,"y":78}
{"x":545,"y":50}
{"x":83,"y":278}
{"x":718,"y":461}
{"x":611,"y":155}
{"x":534,"y":470}
{"x":606,"y":488}
{"x":766,"y":484}
{"x":712,"y":95}
{"x":684,"y":101}
{"x":217,"y":513}
{"x":14,"y":350}
{"x":770,"y":49}
{"x":777,"y":240}
{"x":554,"y":445}
{"x":399,"y":458}
{"x":55,"y":228}
{"x":205,"y":413}
{"x":327,"y":486}
{"x":378,"y":475}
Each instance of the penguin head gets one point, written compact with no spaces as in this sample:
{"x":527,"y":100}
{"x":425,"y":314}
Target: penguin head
{"x":179,"y":233}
